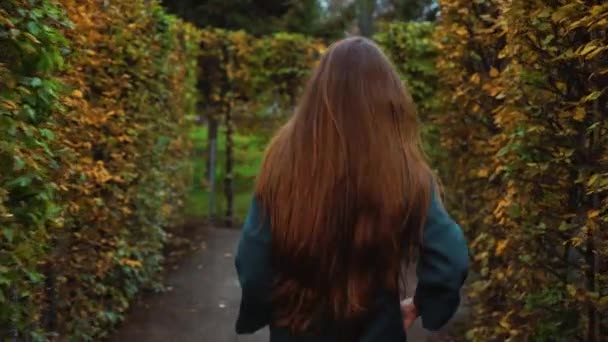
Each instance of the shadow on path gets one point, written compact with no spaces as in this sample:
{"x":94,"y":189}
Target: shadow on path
{"x":203,"y":301}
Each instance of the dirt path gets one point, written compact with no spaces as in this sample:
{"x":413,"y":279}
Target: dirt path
{"x":203,"y":301}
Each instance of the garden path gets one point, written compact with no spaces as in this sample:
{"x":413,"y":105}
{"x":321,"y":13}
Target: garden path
{"x":203,"y":299}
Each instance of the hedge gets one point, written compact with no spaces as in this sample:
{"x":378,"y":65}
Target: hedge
{"x":253,"y":73}
{"x":410,"y":46}
{"x":524,"y":125}
{"x":94,"y":105}
{"x":249,"y":84}
{"x":30,"y":41}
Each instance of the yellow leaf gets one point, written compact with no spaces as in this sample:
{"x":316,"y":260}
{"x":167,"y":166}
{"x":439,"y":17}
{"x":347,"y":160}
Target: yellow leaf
{"x":571,"y":289}
{"x":504,"y":322}
{"x":475,"y":78}
{"x":494,"y":72}
{"x":592,"y":180}
{"x":482,"y":173}
{"x":77,"y":94}
{"x":593,"y":213}
{"x":576,"y":241}
{"x":31,"y":37}
{"x":9,"y":105}
{"x":124,"y":138}
{"x":588,"y":49}
{"x":131,"y":263}
{"x":7,"y":22}
{"x":167,"y":209}
{"x":564,"y":12}
{"x":596,"y":52}
{"x":580,"y":114}
{"x":504,"y":52}
{"x":462,"y":31}
{"x":500,"y":246}
{"x":492,"y":89}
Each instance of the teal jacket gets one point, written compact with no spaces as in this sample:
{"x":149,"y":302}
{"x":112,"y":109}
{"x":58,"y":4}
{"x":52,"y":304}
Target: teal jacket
{"x":441,"y":270}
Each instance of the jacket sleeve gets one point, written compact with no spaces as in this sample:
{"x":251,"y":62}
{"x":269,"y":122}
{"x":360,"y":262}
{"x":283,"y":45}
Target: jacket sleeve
{"x":254,"y":273}
{"x":442,"y":267}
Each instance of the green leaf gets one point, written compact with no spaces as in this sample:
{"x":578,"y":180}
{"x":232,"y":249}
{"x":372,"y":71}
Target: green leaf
{"x":21,"y":181}
{"x":29,"y":112}
{"x":47,"y":134}
{"x":593,"y":96}
{"x":36,"y":13}
{"x":35,"y":277}
{"x":593,"y":126}
{"x":4,"y":280}
{"x":9,"y":234}
{"x":19,"y":163}
{"x":503,"y":151}
{"x":35,"y":82}
{"x":33,"y":28}
{"x":525,"y":258}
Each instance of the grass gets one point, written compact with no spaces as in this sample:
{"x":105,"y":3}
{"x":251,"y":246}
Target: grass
{"x":248,"y":154}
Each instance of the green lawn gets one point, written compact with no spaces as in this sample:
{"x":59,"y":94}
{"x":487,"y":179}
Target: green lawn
{"x":248,"y":153}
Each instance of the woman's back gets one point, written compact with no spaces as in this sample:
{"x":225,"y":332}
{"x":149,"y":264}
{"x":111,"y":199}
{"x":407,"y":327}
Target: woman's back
{"x":342,"y":202}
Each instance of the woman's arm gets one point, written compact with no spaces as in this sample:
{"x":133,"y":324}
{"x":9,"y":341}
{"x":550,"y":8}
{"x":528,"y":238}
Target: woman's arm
{"x":442,"y":268}
{"x":254,"y":272}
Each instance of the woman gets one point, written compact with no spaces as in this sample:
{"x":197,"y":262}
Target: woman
{"x":343,"y":202}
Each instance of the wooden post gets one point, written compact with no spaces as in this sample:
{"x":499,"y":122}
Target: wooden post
{"x":365,"y":13}
{"x":229,"y":176}
{"x":212,"y":148}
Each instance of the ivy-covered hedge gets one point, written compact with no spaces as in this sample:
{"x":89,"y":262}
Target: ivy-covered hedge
{"x":525,"y":127}
{"x":31,"y":44}
{"x":94,"y":105}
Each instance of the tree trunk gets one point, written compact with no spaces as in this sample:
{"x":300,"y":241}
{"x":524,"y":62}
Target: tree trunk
{"x":50,"y":314}
{"x":365,"y":12}
{"x":211,"y":162}
{"x":229,"y":176}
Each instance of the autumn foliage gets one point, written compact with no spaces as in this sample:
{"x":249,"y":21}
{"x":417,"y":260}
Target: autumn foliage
{"x":94,"y":98}
{"x":524,"y":127}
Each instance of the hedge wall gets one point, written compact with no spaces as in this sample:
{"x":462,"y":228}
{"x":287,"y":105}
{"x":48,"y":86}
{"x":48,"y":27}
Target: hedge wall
{"x":254,"y":73}
{"x":248,"y":85}
{"x":94,"y":100}
{"x":411,"y":47}
{"x":525,"y":126}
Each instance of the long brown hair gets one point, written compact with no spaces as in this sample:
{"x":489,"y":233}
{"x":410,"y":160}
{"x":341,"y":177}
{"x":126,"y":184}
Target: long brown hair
{"x":346,"y":189}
